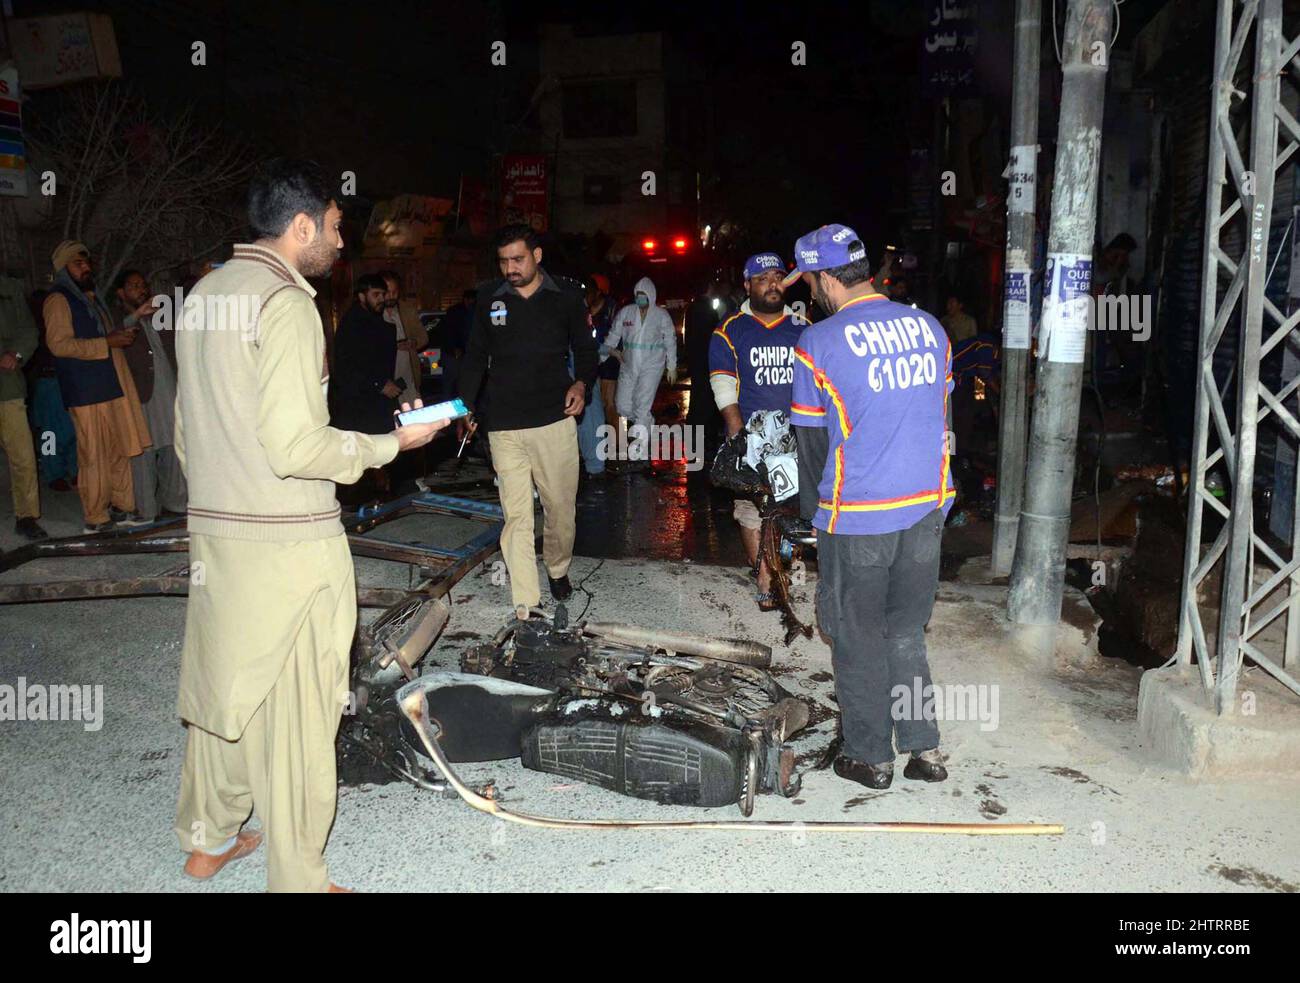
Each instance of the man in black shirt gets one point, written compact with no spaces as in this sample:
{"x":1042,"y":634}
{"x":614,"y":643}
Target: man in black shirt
{"x":362,"y":389}
{"x":524,"y":326}
{"x":455,"y":336}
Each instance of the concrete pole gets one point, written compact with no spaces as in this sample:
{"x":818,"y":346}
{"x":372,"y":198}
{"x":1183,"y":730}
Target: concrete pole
{"x":1014,"y":417}
{"x":1038,"y":570}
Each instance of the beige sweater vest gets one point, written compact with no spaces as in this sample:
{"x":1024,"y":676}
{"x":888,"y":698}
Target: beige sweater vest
{"x":252,"y":427}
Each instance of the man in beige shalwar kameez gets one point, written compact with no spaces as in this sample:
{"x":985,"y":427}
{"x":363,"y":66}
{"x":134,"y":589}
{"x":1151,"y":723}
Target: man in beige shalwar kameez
{"x":272,"y":603}
{"x":97,"y":389}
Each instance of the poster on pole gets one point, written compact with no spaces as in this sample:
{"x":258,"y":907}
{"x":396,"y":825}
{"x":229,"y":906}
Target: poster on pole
{"x":1015,"y":309}
{"x":525,"y":190}
{"x":1021,"y":175}
{"x":1067,"y":305}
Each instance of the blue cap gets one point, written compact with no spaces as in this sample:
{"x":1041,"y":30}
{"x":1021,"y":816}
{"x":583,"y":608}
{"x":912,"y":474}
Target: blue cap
{"x":825,"y":249}
{"x":761,"y":263}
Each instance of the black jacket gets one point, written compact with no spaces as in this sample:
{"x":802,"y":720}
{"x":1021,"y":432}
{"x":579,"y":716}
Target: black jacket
{"x":521,"y":345}
{"x":365,"y":355}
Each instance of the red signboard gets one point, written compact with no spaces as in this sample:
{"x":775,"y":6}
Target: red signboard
{"x":525,"y":188}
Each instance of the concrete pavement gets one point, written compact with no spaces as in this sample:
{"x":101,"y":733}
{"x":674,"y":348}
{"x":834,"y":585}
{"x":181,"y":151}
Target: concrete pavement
{"x":92,"y":810}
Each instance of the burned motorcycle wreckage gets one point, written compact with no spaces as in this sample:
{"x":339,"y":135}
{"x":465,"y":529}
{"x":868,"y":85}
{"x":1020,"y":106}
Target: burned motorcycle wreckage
{"x":758,"y":463}
{"x":666,"y":716}
{"x":658,"y":715}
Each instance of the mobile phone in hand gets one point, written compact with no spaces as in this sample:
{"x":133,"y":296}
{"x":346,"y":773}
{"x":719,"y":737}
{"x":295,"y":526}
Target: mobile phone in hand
{"x":452,"y":409}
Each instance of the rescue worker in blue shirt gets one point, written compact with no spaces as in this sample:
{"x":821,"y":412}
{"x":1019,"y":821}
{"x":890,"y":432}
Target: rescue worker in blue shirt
{"x":870,"y":409}
{"x":751,"y":369}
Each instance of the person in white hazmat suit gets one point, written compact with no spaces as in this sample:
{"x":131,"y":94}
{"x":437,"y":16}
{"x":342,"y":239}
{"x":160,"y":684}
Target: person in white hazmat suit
{"x":649,"y":353}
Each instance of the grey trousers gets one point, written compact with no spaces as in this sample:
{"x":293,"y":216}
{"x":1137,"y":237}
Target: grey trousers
{"x":874,"y":597}
{"x":159,"y":482}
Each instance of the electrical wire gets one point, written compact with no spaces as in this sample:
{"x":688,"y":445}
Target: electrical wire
{"x":1056,"y":42}
{"x":590,"y":596}
{"x":413,"y":707}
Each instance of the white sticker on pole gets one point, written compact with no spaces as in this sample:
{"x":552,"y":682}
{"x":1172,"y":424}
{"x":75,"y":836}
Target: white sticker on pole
{"x":1066,"y":307}
{"x":1021,"y":175}
{"x":1015,"y":309}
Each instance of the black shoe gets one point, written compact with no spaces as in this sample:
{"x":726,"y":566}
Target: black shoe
{"x":561,"y":589}
{"x":926,"y":766}
{"x":872,"y":776}
{"x":30,"y":529}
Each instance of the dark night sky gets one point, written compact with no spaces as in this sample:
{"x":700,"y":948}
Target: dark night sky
{"x":402,"y":92}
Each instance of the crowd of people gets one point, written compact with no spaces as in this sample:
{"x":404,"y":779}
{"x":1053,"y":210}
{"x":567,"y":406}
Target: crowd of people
{"x":250,"y":435}
{"x":87,"y":388}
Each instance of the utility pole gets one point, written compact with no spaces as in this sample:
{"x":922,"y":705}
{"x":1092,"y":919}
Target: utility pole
{"x":1038,"y":571}
{"x":1016,"y":308}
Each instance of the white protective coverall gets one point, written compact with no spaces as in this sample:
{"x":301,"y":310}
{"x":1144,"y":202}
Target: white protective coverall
{"x":649,"y":349}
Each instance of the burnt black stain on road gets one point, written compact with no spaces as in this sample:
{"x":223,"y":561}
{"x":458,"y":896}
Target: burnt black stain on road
{"x":1250,"y":877}
{"x":1077,"y":777}
{"x":990,"y":807}
{"x":857,"y":800}
{"x":137,"y":778}
{"x":461,"y":636}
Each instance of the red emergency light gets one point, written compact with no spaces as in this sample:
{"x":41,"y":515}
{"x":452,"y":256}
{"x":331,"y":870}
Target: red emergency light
{"x":679,"y":244}
{"x":649,"y":245}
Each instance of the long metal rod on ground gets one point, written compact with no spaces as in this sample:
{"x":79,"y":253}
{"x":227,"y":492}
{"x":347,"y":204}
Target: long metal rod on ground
{"x":413,"y":707}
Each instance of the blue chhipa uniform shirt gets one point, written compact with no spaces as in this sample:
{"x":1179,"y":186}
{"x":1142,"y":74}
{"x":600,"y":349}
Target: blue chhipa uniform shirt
{"x":759,"y":355}
{"x":876,"y":375}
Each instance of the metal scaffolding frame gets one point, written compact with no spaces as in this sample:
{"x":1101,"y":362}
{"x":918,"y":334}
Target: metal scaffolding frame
{"x":1243,"y":28}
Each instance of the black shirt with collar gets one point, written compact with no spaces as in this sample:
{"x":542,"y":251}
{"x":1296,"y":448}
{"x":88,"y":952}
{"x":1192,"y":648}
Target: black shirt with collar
{"x":521,"y":344}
